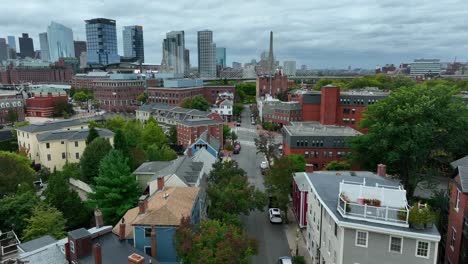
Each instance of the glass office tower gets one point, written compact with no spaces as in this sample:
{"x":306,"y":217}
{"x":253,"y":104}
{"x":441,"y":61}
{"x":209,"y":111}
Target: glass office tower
{"x":101,"y":40}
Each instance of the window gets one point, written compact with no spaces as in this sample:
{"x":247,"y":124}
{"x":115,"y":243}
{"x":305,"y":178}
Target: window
{"x":336,"y":230}
{"x":324,"y":154}
{"x":454,"y":237}
{"x":396,"y":244}
{"x":62,"y":142}
{"x":334,"y":256}
{"x":76,"y":143}
{"x":47,"y":145}
{"x":72,"y":246}
{"x":148,"y":232}
{"x":77,"y":155}
{"x":457,"y":203}
{"x":330,"y":154}
{"x":361,"y":238}
{"x":422,"y":249}
{"x":63,"y":155}
{"x":329,"y":246}
{"x":49,"y":158}
{"x":306,"y":154}
{"x":148,"y":251}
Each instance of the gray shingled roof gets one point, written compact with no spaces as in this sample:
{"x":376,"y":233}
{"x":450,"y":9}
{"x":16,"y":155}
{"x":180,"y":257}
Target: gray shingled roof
{"x":72,"y":135}
{"x":37,"y":243}
{"x":199,"y":122}
{"x":460,"y":162}
{"x":327,"y":185}
{"x":34,"y":128}
{"x":214,"y":142}
{"x":152,"y":167}
{"x":79,"y":233}
{"x":186,"y":169}
{"x":6,"y":135}
{"x":463,"y":173}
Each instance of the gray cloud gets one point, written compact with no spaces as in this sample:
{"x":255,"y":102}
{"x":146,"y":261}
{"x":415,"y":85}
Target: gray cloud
{"x":319,"y":33}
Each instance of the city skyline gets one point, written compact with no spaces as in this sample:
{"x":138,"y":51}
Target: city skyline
{"x":356,"y":35}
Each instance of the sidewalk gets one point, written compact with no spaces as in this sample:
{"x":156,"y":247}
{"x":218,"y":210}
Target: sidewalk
{"x":292,"y":236}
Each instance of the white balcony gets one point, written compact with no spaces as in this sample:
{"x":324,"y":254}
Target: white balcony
{"x":380,"y":204}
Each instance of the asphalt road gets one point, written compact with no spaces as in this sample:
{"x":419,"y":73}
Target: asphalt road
{"x":272,"y":238}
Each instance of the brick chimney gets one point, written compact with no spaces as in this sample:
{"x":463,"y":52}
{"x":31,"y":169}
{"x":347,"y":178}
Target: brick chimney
{"x":309,"y":168}
{"x":97,"y":253}
{"x":160,"y":183}
{"x":382,"y":170}
{"x":142,"y":204}
{"x":153,"y":242}
{"x":136,"y":259}
{"x":98,"y":218}
{"x":190,"y":151}
{"x":67,"y":251}
{"x":122,"y":230}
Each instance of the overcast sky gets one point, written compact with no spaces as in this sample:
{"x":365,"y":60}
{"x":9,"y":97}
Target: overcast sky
{"x":318,"y":33}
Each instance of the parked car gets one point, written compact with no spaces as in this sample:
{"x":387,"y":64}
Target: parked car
{"x":236,"y":149}
{"x":253,"y":122}
{"x":237,"y":143}
{"x":275,"y":215}
{"x":238,"y":124}
{"x":280,"y":147}
{"x":284,"y":260}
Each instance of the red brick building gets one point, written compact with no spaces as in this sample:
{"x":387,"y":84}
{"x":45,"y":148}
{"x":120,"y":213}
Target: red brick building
{"x":279,"y":84}
{"x":319,"y":144}
{"x":282,"y":113}
{"x":188,"y":131}
{"x":86,"y":81}
{"x":330,"y":106}
{"x":57,"y":73}
{"x":10,"y":101}
{"x":43,"y":101}
{"x":118,"y":95}
{"x":175,"y":96}
{"x":456,"y":248}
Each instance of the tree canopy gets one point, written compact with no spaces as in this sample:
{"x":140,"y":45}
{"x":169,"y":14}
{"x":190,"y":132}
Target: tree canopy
{"x":338,"y":165}
{"x":197,"y":102}
{"x":116,"y":189}
{"x":44,"y":220}
{"x":93,"y":134}
{"x":14,"y":210}
{"x":92,"y":155}
{"x":164,"y":153}
{"x":213,"y":242}
{"x":15,"y":170}
{"x":265,"y":144}
{"x":152,"y":134}
{"x":415,"y":131}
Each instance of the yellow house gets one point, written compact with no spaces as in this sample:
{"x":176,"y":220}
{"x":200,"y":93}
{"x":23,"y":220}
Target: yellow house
{"x":53,"y":144}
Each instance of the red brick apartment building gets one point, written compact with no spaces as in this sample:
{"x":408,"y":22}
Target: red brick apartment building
{"x":456,"y":248}
{"x":43,"y":101}
{"x":57,"y":73}
{"x":175,"y":96}
{"x":118,"y":95}
{"x":318,"y":143}
{"x":330,"y":106}
{"x":188,"y":131}
{"x":282,"y":113}
{"x":279,"y":84}
{"x":10,"y":101}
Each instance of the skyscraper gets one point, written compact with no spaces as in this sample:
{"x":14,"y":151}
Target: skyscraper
{"x":187,"y":60}
{"x":12,"y":42}
{"x":3,"y":49}
{"x":271,"y":58}
{"x":133,"y":43}
{"x":26,"y":46}
{"x":80,"y":46}
{"x":221,"y":57}
{"x":60,"y":41}
{"x":174,"y":52}
{"x":101,"y":43}
{"x":289,"y":68}
{"x":206,"y":54}
{"x":44,"y":43}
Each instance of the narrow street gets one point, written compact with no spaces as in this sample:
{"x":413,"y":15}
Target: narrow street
{"x":272,"y":239}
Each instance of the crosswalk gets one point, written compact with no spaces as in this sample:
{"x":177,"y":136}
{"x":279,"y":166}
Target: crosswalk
{"x":246,"y":143}
{"x":244,"y":129}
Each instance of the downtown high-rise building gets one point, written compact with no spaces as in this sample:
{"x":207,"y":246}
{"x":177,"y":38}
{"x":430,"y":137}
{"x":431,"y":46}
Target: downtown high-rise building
{"x":206,"y":54}
{"x":174,"y":52}
{"x":221,"y":57}
{"x":80,"y":47}
{"x":12,"y":42}
{"x":60,"y":40}
{"x":133,"y":43}
{"x":289,"y":68}
{"x":187,"y":60}
{"x":3,"y":50}
{"x":101,"y":37}
{"x":44,"y":44}
{"x":26,"y":46}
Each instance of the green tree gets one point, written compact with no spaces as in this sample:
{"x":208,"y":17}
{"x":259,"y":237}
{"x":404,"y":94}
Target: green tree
{"x":338,"y":165}
{"x":197,"y":102}
{"x":238,"y":107}
{"x":186,"y":103}
{"x":72,"y":170}
{"x":213,"y":242}
{"x":230,"y":194}
{"x":115,"y":123}
{"x":226,"y":132}
{"x":265,"y":144}
{"x":120,"y":143}
{"x":61,"y":107}
{"x":60,"y":196}
{"x":152,"y":134}
{"x":80,"y":96}
{"x":12,"y":116}
{"x":132,"y":130}
{"x":164,"y":153}
{"x":142,"y":97}
{"x":172,"y":137}
{"x":415,"y":131}
{"x":14,"y":210}
{"x":15,"y":170}
{"x":93,"y":134}
{"x":116,"y":189}
{"x":298,"y":162}
{"x":45,"y":220}
{"x":92,"y":155}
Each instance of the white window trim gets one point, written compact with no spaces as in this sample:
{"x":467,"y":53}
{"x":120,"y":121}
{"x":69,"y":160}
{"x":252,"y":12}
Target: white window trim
{"x":390,"y":245}
{"x":454,"y":234}
{"x":356,"y":239}
{"x":457,"y":202}
{"x":428,"y":249}
{"x":72,"y":246}
{"x":144,"y":248}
